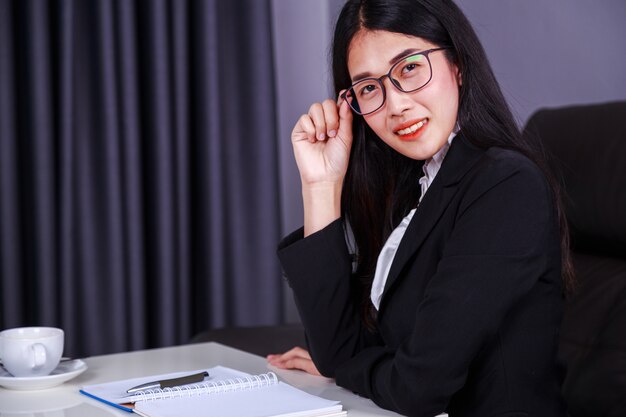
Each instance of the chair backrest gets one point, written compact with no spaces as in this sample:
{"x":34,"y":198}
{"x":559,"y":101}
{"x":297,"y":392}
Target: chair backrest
{"x":586,"y":145}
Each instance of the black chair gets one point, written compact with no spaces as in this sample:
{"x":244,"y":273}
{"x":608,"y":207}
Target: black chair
{"x":587,"y":147}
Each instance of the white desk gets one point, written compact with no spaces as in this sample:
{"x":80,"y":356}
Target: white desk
{"x":66,"y":401}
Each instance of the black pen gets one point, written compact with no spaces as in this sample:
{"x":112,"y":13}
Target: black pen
{"x":173,"y":382}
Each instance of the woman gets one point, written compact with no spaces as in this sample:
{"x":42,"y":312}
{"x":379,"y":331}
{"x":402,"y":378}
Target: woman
{"x":451,"y":298}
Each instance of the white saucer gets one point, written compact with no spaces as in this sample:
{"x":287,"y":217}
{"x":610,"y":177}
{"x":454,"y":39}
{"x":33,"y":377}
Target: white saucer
{"x":64,"y":372}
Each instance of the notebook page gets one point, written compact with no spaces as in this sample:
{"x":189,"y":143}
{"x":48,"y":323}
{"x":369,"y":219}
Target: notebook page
{"x":115,"y":392}
{"x":276,"y":400}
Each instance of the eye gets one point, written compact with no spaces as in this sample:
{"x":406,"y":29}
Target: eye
{"x":367,"y":89}
{"x":408,"y":68}
{"x":411,"y":65}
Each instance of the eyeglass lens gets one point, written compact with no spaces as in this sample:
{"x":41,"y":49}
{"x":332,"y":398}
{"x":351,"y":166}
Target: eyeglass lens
{"x":409,"y":74}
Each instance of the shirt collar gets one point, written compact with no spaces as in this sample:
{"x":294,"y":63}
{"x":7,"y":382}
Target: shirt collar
{"x":431,"y":166}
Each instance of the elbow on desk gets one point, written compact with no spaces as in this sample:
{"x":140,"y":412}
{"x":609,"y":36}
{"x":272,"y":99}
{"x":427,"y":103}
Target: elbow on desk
{"x":328,"y":361}
{"x":325,"y":364}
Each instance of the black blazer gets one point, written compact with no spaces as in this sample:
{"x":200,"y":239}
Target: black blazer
{"x":469,"y":318}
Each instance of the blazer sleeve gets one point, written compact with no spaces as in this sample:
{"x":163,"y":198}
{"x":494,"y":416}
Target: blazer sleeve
{"x":318,"y":269}
{"x":503,"y":235}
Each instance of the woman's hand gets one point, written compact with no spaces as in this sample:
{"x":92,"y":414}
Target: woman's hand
{"x":321,"y":140}
{"x":296,"y":358}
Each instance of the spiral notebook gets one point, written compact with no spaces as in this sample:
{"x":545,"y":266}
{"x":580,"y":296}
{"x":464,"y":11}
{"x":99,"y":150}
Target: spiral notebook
{"x":226,"y":393}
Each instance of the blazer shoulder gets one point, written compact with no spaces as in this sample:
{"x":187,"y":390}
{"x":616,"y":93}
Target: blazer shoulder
{"x":501,"y":167}
{"x":498,"y":164}
{"x":509,"y":161}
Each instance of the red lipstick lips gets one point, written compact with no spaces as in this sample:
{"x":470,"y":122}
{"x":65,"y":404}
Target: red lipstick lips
{"x":411,"y":130}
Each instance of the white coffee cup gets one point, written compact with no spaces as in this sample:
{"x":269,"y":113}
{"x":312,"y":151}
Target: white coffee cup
{"x":31,"y":351}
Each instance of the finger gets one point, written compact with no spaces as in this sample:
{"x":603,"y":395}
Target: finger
{"x":310,"y":128}
{"x":305,"y":365}
{"x":332,"y":117}
{"x":304,"y":129}
{"x":303,"y":353}
{"x":296,"y":352}
{"x":316,"y":112}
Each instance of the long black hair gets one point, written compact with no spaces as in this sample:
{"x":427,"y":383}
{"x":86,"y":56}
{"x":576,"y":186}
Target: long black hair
{"x":380,"y":185}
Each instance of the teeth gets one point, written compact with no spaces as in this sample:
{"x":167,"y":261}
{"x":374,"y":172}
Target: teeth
{"x":412,"y":128}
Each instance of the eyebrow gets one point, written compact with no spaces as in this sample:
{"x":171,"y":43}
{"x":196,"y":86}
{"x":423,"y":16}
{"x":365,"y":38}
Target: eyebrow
{"x":392,"y":61}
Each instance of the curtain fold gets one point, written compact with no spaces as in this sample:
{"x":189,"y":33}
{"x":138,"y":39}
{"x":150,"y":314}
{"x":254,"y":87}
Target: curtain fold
{"x":138,"y":169}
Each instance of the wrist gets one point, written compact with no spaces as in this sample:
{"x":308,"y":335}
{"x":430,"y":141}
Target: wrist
{"x":322,"y":205}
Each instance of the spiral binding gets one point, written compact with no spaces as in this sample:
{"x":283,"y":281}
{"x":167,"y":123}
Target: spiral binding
{"x":209,"y":387}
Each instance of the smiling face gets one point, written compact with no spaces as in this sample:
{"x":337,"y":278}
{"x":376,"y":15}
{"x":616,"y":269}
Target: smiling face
{"x":415,"y":124}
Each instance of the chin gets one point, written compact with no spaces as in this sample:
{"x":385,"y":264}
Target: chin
{"x":418,"y":150}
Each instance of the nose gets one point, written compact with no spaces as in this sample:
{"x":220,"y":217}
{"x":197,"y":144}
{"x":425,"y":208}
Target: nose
{"x":397,"y":101}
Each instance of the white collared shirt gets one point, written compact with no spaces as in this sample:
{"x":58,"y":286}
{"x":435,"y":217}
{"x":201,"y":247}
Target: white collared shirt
{"x":388,"y":252}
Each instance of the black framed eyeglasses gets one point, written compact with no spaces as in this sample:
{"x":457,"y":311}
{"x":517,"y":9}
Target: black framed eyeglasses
{"x":409,"y":74}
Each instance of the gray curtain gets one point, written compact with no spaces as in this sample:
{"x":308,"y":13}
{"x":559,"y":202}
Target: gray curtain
{"x":138,"y":169}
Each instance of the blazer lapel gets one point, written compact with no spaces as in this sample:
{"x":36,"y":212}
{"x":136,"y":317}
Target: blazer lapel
{"x":460,"y":158}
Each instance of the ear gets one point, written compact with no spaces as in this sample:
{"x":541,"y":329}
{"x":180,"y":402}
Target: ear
{"x":459,"y":78}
